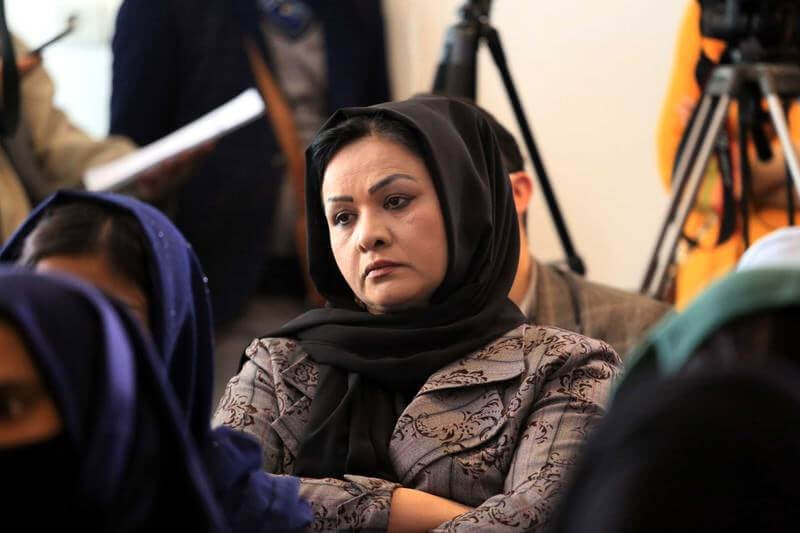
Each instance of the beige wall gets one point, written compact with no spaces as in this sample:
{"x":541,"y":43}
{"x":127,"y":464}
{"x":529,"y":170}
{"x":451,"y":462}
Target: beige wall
{"x":591,"y":75}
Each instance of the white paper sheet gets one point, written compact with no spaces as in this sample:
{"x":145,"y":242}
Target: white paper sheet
{"x":232,"y":115}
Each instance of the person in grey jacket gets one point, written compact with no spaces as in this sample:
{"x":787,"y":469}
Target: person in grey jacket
{"x":418,"y":399}
{"x":552,"y":296}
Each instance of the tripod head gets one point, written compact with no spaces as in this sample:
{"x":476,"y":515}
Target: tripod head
{"x":766,"y":31}
{"x":456,"y":73}
{"x":476,"y":9}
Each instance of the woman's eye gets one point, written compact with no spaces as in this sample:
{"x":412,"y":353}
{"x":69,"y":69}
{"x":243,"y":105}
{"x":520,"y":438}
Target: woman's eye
{"x":396,"y":202}
{"x":14,"y":403}
{"x":342,"y":219}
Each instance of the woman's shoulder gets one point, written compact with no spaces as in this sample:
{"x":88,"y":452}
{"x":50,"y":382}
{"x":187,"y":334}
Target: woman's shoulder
{"x":550,"y":339}
{"x":276,"y":355}
{"x":539,"y":344}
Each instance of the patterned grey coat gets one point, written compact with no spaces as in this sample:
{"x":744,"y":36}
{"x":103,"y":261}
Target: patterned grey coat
{"x":496,"y":430}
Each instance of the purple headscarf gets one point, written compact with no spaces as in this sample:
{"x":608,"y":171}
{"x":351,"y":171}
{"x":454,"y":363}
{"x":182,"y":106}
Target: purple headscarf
{"x":121,"y":424}
{"x":180,"y":313}
{"x":181,"y":323}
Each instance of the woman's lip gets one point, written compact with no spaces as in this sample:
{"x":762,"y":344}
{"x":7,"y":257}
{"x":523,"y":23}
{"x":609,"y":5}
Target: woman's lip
{"x":381,"y":271}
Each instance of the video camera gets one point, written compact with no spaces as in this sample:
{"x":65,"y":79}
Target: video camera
{"x":754,"y":30}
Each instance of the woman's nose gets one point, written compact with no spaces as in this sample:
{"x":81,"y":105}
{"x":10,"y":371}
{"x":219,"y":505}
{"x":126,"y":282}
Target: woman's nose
{"x":374,"y":233}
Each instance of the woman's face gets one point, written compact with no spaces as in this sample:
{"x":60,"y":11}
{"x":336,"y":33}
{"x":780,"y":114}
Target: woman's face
{"x":385,"y":224}
{"x":96,"y":270}
{"x":27,"y":411}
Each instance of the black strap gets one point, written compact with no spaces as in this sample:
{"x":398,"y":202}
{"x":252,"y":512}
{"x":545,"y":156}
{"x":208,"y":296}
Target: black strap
{"x":791,"y":190}
{"x":9,"y":112}
{"x":746,"y":116}
{"x":703,"y":69}
{"x":728,"y":223}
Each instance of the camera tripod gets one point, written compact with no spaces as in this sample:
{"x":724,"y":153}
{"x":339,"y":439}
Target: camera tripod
{"x":746,"y":83}
{"x":455,"y":76}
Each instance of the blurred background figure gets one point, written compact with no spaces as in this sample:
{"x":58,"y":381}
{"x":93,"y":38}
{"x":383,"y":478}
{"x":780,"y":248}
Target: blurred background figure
{"x":40,"y":150}
{"x":714,"y":233}
{"x":238,"y":209}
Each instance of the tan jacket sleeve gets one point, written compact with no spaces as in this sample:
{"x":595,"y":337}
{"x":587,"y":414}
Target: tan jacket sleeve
{"x":64,"y":151}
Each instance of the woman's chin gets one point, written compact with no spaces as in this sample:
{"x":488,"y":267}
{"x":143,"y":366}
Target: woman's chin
{"x":395,"y":302}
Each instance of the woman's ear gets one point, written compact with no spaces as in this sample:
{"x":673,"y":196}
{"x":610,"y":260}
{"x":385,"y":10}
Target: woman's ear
{"x":522,"y":188}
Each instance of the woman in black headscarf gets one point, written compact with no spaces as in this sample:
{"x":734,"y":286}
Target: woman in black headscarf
{"x":418,"y":389}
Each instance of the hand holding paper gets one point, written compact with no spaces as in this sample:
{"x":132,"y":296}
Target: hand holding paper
{"x":155,"y":184}
{"x":230,"y":116}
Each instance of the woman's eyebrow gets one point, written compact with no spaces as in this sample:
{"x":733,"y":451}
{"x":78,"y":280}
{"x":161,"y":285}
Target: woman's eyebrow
{"x":340,"y":198}
{"x":378,"y":186}
{"x":387,"y":180}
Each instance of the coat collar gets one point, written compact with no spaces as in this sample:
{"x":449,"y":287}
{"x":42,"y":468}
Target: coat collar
{"x":455,"y":410}
{"x":501,"y":360}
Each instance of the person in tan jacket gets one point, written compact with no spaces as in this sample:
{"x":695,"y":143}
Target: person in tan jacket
{"x":47,"y":152}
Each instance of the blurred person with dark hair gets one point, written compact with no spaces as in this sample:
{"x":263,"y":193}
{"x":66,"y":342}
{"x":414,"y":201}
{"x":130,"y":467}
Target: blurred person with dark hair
{"x":714,"y":450}
{"x":549,"y":295}
{"x":702,"y":430}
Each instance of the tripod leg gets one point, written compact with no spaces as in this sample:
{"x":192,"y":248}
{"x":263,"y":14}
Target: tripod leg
{"x":684,"y":201}
{"x":782,"y":128}
{"x":573,"y":259}
{"x":686,"y":158}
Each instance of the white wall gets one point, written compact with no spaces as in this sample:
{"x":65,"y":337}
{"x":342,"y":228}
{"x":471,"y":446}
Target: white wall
{"x":591,"y":75}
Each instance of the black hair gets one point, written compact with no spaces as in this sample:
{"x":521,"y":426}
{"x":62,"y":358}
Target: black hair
{"x":87,"y":228}
{"x":509,"y":149}
{"x":329,"y":142}
{"x":510,"y":154}
{"x":756,"y":338}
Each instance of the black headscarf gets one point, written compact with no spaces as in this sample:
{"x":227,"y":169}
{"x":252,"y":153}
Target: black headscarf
{"x":371,"y":365}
